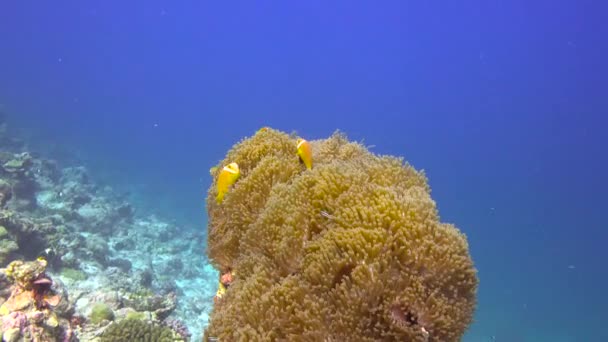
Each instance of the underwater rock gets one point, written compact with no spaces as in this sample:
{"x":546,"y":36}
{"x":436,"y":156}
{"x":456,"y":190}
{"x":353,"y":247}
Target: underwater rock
{"x":164,"y":235}
{"x":146,"y":277}
{"x":175,"y":265}
{"x":31,"y":236}
{"x":69,"y":259}
{"x":37,"y":308}
{"x":75,"y":176}
{"x":93,"y":212}
{"x":24,"y":273}
{"x":6,"y":192}
{"x":98,"y":248}
{"x":59,"y":193}
{"x":79,"y":200}
{"x":26,"y":176}
{"x":115,"y":278}
{"x":13,"y":326}
{"x":171,"y":268}
{"x":63,"y":307}
{"x":19,"y":164}
{"x":73,"y":274}
{"x":161,"y":306}
{"x":103,"y":217}
{"x":101,"y":312}
{"x":179,"y":327}
{"x":46,"y":172}
{"x":125,"y":212}
{"x":102,"y":294}
{"x":24,"y":191}
{"x":7,"y":246}
{"x":123,"y":264}
{"x":126,"y":243}
{"x":166,"y":284}
{"x":5,"y":156}
{"x":5,"y":287}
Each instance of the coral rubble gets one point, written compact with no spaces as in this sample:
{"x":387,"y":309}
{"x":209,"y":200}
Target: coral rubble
{"x":351,"y":250}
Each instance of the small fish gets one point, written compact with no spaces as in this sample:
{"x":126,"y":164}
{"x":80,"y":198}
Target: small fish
{"x":327,"y":215}
{"x":305,"y":153}
{"x":221,"y":290}
{"x":228,"y":176}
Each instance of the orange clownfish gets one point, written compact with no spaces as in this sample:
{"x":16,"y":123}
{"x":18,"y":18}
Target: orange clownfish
{"x":228,"y":176}
{"x":305,"y":153}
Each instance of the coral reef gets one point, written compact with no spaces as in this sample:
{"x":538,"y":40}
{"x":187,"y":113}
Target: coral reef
{"x":31,"y":235}
{"x":97,"y":245}
{"x":135,"y":330}
{"x":179,"y":327}
{"x":6,"y":192}
{"x":37,"y":308}
{"x":19,"y":168}
{"x":8,"y":246}
{"x":350,"y":250}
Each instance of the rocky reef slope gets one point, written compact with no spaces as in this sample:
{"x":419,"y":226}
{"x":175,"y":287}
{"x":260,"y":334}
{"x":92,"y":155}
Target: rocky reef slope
{"x":88,"y":259}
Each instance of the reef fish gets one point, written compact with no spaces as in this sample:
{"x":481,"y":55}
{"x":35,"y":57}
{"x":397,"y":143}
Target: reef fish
{"x":228,"y":176}
{"x":305,"y":153}
{"x":221,"y":290}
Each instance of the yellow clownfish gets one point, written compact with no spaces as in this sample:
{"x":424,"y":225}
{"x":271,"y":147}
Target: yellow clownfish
{"x":221,"y":290}
{"x":228,"y":176}
{"x":305,"y":153}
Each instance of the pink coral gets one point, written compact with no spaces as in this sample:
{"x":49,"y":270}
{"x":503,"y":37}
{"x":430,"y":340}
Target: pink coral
{"x":14,"y":320}
{"x":179,"y":327}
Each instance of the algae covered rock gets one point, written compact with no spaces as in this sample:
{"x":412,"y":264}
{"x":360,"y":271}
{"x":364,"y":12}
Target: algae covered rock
{"x":8,"y":246}
{"x":161,"y":306}
{"x":24,"y":273}
{"x":31,"y":235}
{"x":19,"y":163}
{"x":351,"y":250}
{"x":101,"y":312}
{"x":73,"y":274}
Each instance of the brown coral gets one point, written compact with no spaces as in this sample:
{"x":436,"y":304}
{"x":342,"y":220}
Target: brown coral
{"x":351,"y":250}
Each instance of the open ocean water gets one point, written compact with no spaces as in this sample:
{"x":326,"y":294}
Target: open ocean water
{"x":504,"y":104}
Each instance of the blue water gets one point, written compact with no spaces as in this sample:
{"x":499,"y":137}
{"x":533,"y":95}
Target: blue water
{"x":503,"y":103}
